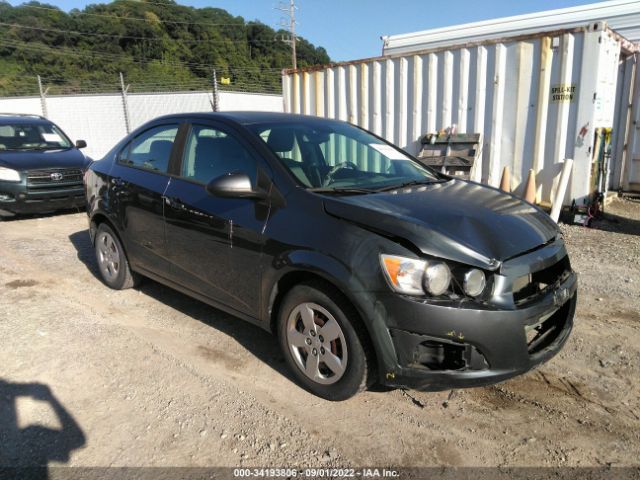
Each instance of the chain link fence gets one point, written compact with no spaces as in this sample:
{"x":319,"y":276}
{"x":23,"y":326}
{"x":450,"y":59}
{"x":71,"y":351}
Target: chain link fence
{"x":103,"y":113}
{"x":235,"y":79}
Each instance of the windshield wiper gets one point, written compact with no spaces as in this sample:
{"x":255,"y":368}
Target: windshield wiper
{"x":410,"y":183}
{"x":40,"y":149}
{"x":344,"y":191}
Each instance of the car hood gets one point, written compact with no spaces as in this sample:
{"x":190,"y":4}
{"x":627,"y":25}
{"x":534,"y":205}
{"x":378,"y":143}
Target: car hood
{"x":32,"y":160}
{"x":456,"y":220}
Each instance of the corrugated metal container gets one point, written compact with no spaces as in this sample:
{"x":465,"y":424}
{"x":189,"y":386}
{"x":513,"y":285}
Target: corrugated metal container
{"x":536,"y":99}
{"x":631,"y":169}
{"x":623,"y":16}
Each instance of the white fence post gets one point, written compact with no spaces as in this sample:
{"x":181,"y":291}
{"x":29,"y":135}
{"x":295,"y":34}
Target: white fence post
{"x":216,"y":96}
{"x":43,"y":98}
{"x":125,"y":105}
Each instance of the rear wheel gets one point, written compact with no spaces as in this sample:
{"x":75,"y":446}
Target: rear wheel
{"x":323,"y":343}
{"x":112,"y":260}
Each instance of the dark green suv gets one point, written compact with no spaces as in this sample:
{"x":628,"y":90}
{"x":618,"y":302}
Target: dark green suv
{"x":41,"y":170}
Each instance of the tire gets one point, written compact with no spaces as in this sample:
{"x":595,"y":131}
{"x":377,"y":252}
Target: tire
{"x":112,"y":260}
{"x":309,"y":313}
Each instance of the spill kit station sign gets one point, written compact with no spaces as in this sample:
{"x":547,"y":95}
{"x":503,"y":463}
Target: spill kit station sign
{"x":563,"y":92}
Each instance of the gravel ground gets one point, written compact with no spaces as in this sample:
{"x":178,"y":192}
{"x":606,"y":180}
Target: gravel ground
{"x":150,"y":377}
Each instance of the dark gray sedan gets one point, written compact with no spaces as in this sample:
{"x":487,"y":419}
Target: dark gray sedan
{"x":369,"y":267}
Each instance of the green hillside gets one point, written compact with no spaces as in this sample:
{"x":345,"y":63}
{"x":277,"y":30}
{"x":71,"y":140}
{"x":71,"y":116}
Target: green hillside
{"x":156,"y":44}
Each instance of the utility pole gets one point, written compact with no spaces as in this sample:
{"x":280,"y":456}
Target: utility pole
{"x":290,"y":11}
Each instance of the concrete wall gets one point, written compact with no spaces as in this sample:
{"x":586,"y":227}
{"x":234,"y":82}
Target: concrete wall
{"x":100,"y":119}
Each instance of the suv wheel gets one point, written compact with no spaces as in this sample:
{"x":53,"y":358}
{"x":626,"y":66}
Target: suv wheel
{"x":112,"y":260}
{"x":323,"y":343}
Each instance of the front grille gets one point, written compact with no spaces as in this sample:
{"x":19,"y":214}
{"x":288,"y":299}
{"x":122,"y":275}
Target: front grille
{"x":54,"y":178}
{"x":542,"y":281}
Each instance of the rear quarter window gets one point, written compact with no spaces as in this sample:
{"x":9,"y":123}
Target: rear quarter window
{"x":151,"y":150}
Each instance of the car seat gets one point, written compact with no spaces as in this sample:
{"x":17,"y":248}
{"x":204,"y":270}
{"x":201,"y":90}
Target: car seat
{"x":159,"y":154}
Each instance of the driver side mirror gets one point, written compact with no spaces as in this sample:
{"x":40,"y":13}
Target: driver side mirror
{"x":234,"y":185}
{"x":81,"y":144}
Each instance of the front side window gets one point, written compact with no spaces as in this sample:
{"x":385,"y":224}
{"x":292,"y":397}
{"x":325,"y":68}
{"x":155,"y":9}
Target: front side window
{"x":151,"y":150}
{"x":36,"y":136}
{"x":211,"y":153}
{"x":331,"y":155}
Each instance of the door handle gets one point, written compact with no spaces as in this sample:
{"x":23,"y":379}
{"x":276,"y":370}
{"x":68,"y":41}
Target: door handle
{"x":175,"y":203}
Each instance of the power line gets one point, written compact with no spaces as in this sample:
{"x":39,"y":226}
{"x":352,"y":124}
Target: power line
{"x":92,"y":54}
{"x":74,"y":32}
{"x":137,"y":19}
{"x":141,"y":88}
{"x":160,"y":4}
{"x":114,"y":56}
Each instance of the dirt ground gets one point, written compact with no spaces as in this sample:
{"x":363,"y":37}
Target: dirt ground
{"x":150,"y":377}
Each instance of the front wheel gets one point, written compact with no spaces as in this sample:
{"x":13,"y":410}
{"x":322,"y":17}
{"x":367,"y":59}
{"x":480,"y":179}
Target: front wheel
{"x":323,"y":342}
{"x":112,"y":260}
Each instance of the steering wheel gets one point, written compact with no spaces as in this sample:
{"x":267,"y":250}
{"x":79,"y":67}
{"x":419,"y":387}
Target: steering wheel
{"x":328,"y":180}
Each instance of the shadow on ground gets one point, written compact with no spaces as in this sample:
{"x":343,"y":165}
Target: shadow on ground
{"x":30,"y":216}
{"x":256,"y":340}
{"x":618,"y":224}
{"x":84,"y":249}
{"x":26,"y":450}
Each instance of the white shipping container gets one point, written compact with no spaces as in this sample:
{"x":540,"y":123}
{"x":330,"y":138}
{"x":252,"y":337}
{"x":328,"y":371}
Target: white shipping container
{"x":536,"y":99}
{"x":623,"y":16}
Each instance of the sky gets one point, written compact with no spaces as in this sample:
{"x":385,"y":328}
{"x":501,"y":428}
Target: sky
{"x":351,"y":29}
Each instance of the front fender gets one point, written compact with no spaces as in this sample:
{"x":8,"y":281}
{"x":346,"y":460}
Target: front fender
{"x":344,"y":279}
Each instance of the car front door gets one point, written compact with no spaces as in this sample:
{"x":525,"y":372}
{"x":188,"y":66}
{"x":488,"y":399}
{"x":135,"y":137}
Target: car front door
{"x":138,"y":180}
{"x":215,"y":243}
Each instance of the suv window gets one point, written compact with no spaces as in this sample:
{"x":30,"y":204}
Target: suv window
{"x":36,"y":136}
{"x":151,"y":149}
{"x":211,"y":153}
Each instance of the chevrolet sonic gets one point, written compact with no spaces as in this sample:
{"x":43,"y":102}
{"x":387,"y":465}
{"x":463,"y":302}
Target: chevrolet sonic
{"x":368,"y":266}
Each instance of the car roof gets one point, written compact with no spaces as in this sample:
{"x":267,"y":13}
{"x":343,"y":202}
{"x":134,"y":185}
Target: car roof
{"x":248,"y":117}
{"x":22,"y":119}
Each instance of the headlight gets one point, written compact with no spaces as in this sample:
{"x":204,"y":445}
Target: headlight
{"x":437,"y":278}
{"x":404,"y":274}
{"x":474,"y":282}
{"x":9,"y":175}
{"x":412,"y":276}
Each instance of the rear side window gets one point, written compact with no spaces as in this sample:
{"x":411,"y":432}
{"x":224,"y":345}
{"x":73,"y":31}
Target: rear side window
{"x":151,"y":149}
{"x":210,"y":153}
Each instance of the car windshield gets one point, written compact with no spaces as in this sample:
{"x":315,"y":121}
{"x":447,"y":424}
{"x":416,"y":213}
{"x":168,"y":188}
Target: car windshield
{"x":330,"y":156}
{"x":35,"y":136}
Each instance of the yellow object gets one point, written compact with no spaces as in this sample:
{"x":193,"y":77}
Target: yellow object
{"x":225,"y":80}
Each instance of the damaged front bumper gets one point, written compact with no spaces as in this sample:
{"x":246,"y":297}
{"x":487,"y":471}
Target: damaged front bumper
{"x":439,"y":346}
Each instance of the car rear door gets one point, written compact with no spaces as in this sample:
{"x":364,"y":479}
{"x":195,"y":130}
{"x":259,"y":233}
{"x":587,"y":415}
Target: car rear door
{"x":138,"y":180}
{"x":215,"y":243}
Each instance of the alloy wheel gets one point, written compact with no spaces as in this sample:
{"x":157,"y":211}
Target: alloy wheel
{"x":108,"y":256}
{"x":317,"y":343}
